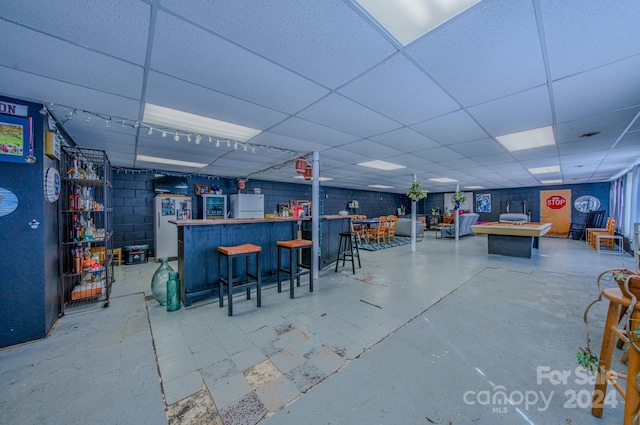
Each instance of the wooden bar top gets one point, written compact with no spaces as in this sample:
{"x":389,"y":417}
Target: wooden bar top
{"x":249,"y":220}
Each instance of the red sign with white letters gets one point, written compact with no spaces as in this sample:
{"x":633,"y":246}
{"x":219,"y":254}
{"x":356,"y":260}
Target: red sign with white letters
{"x":556,"y":202}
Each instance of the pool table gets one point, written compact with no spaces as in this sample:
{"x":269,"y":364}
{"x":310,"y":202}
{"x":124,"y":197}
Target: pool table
{"x":512,"y":239}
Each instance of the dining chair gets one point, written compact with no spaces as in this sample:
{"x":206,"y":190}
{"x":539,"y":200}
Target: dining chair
{"x":392,"y":221}
{"x":378,"y":232}
{"x":357,"y":228}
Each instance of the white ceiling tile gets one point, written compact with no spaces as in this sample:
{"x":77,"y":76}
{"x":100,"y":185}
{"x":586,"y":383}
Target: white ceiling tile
{"x":544,"y":152}
{"x":584,"y":35}
{"x":119,"y":28}
{"x":511,"y":114}
{"x":370,"y":149}
{"x":456,"y":127}
{"x":406,"y":139}
{"x":185,"y":52}
{"x":610,"y":123}
{"x":284,"y":142}
{"x":51,"y":56}
{"x":342,"y":114}
{"x":306,"y":130}
{"x":604,"y":89}
{"x":403,"y":93}
{"x":478,"y":148}
{"x":325,"y":41}
{"x":438,"y":154}
{"x":490,"y":51}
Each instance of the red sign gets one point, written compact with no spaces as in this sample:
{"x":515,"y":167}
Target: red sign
{"x":556,"y":202}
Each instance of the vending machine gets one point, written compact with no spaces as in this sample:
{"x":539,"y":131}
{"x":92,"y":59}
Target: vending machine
{"x":169,"y":207}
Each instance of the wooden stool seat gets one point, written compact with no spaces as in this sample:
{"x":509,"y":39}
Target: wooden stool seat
{"x":631,"y":395}
{"x":294,"y":270}
{"x":250,"y":279}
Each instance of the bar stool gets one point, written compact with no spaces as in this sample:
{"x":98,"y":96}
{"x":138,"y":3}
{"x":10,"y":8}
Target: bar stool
{"x":295,"y":248}
{"x":631,"y":394}
{"x":239,"y":251}
{"x":346,"y":251}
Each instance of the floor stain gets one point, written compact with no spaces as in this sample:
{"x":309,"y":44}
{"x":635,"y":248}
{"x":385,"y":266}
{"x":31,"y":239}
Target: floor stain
{"x":197,"y":409}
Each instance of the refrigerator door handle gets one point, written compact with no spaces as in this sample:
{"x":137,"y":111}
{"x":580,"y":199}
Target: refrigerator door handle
{"x":158,"y":219}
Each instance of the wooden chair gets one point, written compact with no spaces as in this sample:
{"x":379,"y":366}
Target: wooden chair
{"x":358,"y":229}
{"x":392,"y":220}
{"x":608,"y":230}
{"x":378,"y":232}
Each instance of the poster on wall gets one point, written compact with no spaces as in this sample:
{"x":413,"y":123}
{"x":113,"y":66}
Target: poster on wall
{"x":483,"y":203}
{"x":586,"y":203}
{"x":16,"y":140}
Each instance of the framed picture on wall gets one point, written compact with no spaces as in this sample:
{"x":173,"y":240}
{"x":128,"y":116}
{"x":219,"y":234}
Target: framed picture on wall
{"x":483,"y":202}
{"x":202,"y":189}
{"x":16,"y":142}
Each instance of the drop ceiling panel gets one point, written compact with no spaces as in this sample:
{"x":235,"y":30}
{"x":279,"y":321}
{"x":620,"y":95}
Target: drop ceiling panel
{"x":478,"y":147}
{"x":491,"y":50}
{"x":585,"y":146}
{"x":177,"y":94}
{"x":342,"y":114}
{"x":283,"y":142}
{"x":32,"y":87}
{"x":117,"y":28}
{"x":515,"y":113}
{"x":52,"y":56}
{"x":343,"y":155}
{"x":438,"y":154}
{"x":580,"y":34}
{"x":370,"y":149}
{"x":403,"y":93}
{"x":456,"y":127}
{"x":326,"y":41}
{"x":186,"y":52}
{"x":406,"y":140}
{"x":493,"y":159}
{"x":601,"y":90}
{"x":611,"y":123}
{"x":306,"y":130}
{"x":537,"y":153}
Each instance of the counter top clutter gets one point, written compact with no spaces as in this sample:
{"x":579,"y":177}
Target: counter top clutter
{"x":180,"y":223}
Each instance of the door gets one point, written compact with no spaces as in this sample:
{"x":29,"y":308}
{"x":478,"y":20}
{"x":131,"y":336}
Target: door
{"x":555,"y":207}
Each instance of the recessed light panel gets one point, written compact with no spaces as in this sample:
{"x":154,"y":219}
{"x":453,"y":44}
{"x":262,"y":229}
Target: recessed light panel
{"x":380,"y":186}
{"x":167,"y":161}
{"x":382,"y":165}
{"x":443,"y":180}
{"x":536,"y":138}
{"x":557,"y":181}
{"x":406,"y":20}
{"x":474,"y":187}
{"x":197,"y":124}
{"x":545,"y":170}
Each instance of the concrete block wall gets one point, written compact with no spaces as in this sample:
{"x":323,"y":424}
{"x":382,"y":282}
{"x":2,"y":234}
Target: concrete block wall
{"x":134,"y":201}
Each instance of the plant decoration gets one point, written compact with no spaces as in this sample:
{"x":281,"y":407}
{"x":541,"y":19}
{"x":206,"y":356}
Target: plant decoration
{"x":416,"y":193}
{"x":458,"y":198}
{"x":402,"y":209}
{"x":434,"y":210}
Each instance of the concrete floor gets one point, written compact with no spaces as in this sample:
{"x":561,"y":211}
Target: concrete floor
{"x":432,"y":337}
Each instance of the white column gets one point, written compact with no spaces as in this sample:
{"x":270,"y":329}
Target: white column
{"x":413,"y":220}
{"x":457,"y":216}
{"x":315,"y":213}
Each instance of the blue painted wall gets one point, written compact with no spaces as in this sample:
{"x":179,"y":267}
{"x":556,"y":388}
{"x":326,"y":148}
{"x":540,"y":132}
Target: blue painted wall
{"x":133,"y":201}
{"x":29,"y":302}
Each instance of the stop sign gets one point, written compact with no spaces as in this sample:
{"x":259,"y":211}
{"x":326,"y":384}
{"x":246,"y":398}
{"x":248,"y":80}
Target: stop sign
{"x":556,"y":202}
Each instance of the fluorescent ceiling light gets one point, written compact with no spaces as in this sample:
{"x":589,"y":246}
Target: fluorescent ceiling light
{"x":157,"y":160}
{"x":322,"y":179}
{"x":381,"y":165}
{"x":380,"y":186}
{"x":557,"y":181}
{"x":443,"y":180}
{"x":545,"y":170}
{"x":407,"y":20}
{"x":529,"y":139}
{"x":172,"y":118}
{"x":474,"y":187}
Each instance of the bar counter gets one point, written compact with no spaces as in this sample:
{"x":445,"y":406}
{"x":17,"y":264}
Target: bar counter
{"x":198,"y":242}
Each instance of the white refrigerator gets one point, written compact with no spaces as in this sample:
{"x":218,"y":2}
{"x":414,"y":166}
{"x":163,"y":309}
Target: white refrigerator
{"x":169,"y":207}
{"x":247,"y":205}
